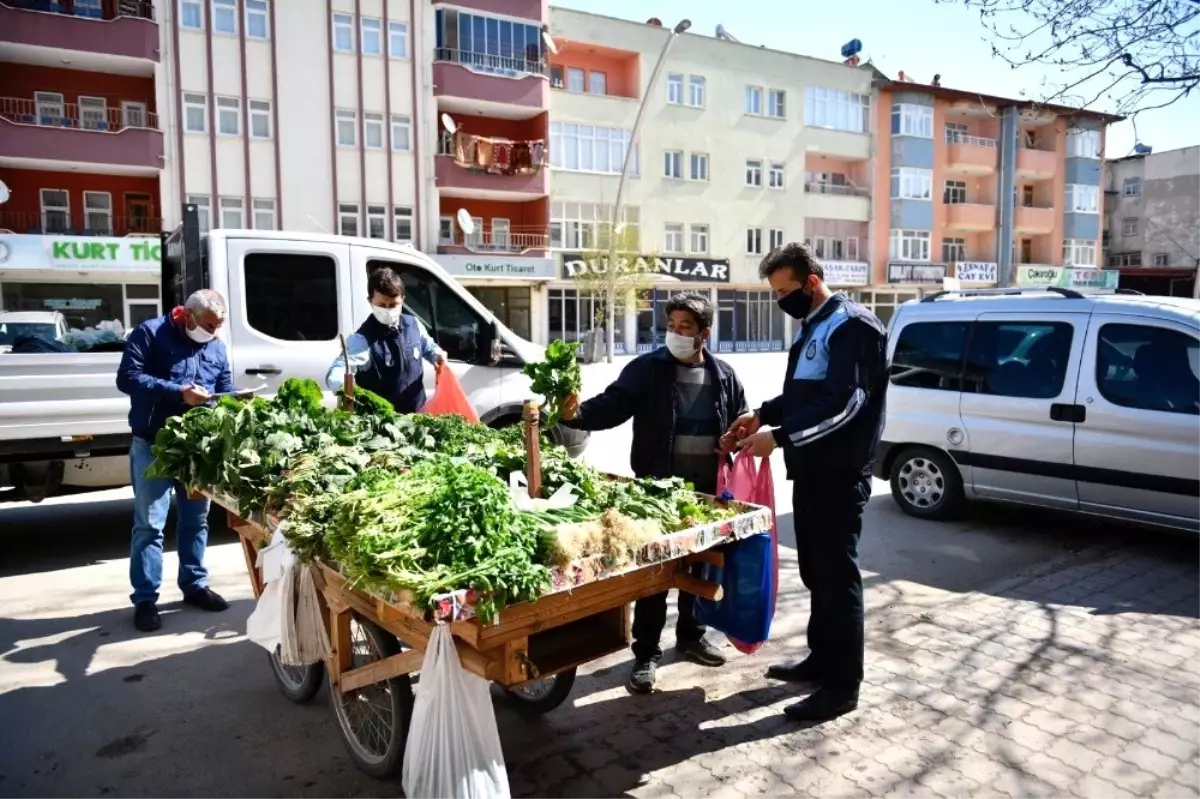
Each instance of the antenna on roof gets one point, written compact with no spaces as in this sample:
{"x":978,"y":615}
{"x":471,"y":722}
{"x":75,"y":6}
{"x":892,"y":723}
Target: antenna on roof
{"x":725,"y":35}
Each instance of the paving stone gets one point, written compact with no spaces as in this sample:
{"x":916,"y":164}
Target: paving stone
{"x":1150,"y":760}
{"x":1125,"y":775}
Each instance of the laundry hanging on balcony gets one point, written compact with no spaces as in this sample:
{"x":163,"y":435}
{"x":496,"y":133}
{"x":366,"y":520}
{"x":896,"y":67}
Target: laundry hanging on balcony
{"x":498,"y":156}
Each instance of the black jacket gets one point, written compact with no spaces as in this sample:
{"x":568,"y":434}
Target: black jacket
{"x":645,"y":392}
{"x":829,"y":417}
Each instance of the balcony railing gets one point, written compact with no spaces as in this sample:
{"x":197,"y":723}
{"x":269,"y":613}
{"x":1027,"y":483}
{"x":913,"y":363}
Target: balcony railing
{"x":512,"y":243}
{"x":506,"y":65}
{"x":89,"y":9}
{"x":955,"y":137}
{"x":838,"y":189}
{"x":1045,"y":147}
{"x":62,"y":222}
{"x":21,"y":111}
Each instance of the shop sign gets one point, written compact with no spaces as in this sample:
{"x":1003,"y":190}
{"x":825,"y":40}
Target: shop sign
{"x":977,"y":272}
{"x":81,"y":253}
{"x":916,"y":273}
{"x":493,"y":267}
{"x":1067,"y":277}
{"x":846,"y":273}
{"x":71,"y":304}
{"x":688,"y":270}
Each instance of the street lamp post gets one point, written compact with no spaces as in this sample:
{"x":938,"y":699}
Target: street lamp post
{"x":611,"y":311}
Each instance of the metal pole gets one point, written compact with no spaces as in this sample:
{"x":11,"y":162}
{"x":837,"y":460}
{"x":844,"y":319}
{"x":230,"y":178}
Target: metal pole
{"x":610,"y":292}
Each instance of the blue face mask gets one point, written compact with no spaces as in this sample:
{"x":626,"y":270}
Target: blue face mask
{"x":796,"y":304}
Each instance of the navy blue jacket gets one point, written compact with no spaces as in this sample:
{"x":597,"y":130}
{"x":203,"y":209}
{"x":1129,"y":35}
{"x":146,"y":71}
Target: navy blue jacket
{"x":830,"y":415}
{"x":159,"y":362}
{"x":645,"y":392}
{"x":394,"y":370}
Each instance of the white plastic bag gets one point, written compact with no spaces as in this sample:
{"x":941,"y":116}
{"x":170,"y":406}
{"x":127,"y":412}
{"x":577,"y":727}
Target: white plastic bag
{"x":518,"y":492}
{"x":265,"y":625}
{"x":453,"y":749}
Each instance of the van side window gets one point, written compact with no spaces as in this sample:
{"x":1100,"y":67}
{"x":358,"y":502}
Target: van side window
{"x":930,"y":355}
{"x":1148,"y":368}
{"x":454,"y":325}
{"x":1018,"y":359}
{"x":291,"y":297}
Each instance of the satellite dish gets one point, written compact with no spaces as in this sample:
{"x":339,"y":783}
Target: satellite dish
{"x":465,"y":223}
{"x":549,"y":42}
{"x":4,"y":195}
{"x":449,"y":124}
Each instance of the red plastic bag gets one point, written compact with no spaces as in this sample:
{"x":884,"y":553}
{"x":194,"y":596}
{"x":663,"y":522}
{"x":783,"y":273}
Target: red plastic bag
{"x":449,"y":398}
{"x":746,"y":483}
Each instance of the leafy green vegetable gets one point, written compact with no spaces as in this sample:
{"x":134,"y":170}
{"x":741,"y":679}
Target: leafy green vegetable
{"x":555,"y":377}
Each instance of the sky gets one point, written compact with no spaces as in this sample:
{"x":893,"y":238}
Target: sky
{"x":917,"y":36}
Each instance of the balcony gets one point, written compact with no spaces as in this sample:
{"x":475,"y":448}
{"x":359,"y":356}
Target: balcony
{"x":478,"y":166}
{"x":1036,"y":164}
{"x":970,"y":155}
{"x":970,"y":217}
{"x":1034,"y":220}
{"x":503,"y":86}
{"x":836,"y":201}
{"x":123,"y":28}
{"x":77,"y":223}
{"x":837,"y":143}
{"x":126,"y":139}
{"x":519,"y":241}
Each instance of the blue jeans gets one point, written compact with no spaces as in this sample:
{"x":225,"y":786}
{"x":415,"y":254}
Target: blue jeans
{"x":151,"y":503}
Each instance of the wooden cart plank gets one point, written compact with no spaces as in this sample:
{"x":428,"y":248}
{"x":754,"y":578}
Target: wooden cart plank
{"x":404,"y":663}
{"x":701,"y":588}
{"x":251,"y":554}
{"x":713,"y":557}
{"x":342,"y":658}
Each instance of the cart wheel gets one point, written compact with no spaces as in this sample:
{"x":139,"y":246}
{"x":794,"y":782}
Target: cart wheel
{"x":536,"y":698}
{"x":298,"y":683}
{"x":374,"y":719}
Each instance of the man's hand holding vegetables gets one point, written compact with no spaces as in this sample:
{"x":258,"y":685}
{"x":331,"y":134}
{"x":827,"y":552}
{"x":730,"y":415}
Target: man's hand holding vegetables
{"x":170,"y":364}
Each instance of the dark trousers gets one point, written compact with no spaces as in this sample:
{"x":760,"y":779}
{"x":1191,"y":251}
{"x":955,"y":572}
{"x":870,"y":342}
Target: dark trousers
{"x":649,"y":618}
{"x":827,"y":514}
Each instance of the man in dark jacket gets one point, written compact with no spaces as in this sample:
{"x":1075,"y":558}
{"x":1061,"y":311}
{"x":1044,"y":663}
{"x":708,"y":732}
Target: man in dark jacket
{"x":828,"y":420}
{"x":170,"y":364}
{"x":387,"y":351}
{"x":680,"y":398}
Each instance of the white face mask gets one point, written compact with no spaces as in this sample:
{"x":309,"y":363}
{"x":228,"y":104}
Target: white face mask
{"x":682,"y":347}
{"x":200,"y":335}
{"x":387,"y":316}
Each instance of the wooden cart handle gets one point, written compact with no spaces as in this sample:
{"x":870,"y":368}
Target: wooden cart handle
{"x":701,"y":588}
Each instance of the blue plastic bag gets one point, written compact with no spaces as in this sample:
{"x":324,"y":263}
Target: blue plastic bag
{"x":748,"y":577}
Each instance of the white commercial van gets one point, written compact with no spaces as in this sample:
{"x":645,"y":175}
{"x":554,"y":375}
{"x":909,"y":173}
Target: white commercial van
{"x":1083,"y":402}
{"x":64,"y":423}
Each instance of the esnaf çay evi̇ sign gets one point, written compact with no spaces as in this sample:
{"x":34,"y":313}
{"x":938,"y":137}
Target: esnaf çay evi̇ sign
{"x":688,"y":270}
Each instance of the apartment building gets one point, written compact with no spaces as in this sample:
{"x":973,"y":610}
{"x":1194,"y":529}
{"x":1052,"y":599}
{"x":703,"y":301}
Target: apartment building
{"x":987,"y":190}
{"x":81,"y":151}
{"x":1152,"y":220}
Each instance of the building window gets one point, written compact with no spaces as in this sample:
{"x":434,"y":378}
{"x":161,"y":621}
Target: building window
{"x":1083,"y":143}
{"x":224,"y":16}
{"x":229,"y":116}
{"x":347,"y":128}
{"x":232,"y":212}
{"x":673,"y":164}
{"x":852,"y":248}
{"x":488,"y":42}
{"x":754,"y":173}
{"x":912,"y":120}
{"x":373,"y":131}
{"x":403,"y":218}
{"x":699,"y":239}
{"x":1079,"y":252}
{"x":754,"y":100}
{"x":699,"y":166}
{"x":829,"y":247}
{"x":446,"y":230}
{"x":401,"y":132}
{"x":191,"y":15}
{"x":93,"y":113}
{"x":343,"y":33}
{"x":955,"y":192}
{"x":776,"y":103}
{"x":372,"y":36}
{"x":578,"y":226}
{"x":264,"y":214}
{"x":260,"y":119}
{"x":377,"y":221}
{"x":257,"y":25}
{"x":398,"y":39}
{"x":673,"y":238}
{"x":910,"y":183}
{"x":1132,"y":187}
{"x":97,"y":211}
{"x":1129,"y":226}
{"x":776,"y":176}
{"x":954,"y":250}
{"x":195,"y":113}
{"x":598,"y":83}
{"x":590,"y":148}
{"x":909,"y":245}
{"x":1162,"y":259}
{"x":292,"y":297}
{"x":1125,"y":259}
{"x":56,"y":210}
{"x":49,"y":107}
{"x":576,"y":80}
{"x":837,"y":110}
{"x":956,"y":132}
{"x":203,"y":211}
{"x":674,"y":88}
{"x":347,"y":219}
{"x":775,"y":238}
{"x":697,"y":91}
{"x":1083,"y":199}
{"x":754,"y":241}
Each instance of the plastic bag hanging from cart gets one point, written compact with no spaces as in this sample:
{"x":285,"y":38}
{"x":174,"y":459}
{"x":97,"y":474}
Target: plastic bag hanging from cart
{"x":449,"y":398}
{"x":453,"y":749}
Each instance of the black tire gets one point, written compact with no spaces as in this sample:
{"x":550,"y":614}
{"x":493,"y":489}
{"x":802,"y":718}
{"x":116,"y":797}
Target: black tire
{"x":543,"y":696}
{"x":298,"y":683}
{"x":926,"y":484}
{"x":380,"y":755}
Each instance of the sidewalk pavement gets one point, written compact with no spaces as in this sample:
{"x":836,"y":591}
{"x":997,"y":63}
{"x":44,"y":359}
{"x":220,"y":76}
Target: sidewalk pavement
{"x":1077,"y":679}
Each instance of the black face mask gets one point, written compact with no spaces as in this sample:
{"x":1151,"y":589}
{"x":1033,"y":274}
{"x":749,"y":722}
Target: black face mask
{"x":797,"y":304}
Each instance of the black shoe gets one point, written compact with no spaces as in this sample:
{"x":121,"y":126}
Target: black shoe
{"x":701,"y":652}
{"x":205,"y":599}
{"x":825,"y":704}
{"x":803,"y":672}
{"x":146,"y":618}
{"x":641,"y":679}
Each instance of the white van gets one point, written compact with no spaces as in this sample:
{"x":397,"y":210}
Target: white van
{"x":1088,"y":403}
{"x":64,"y":423}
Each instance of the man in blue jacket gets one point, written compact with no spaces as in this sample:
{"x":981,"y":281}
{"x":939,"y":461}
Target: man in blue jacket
{"x":171,"y":364}
{"x":828,"y":421}
{"x":680,"y":398}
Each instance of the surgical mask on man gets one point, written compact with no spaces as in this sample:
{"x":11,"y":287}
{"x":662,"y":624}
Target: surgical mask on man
{"x":386,"y":316}
{"x":796,"y":304}
{"x":682,"y":347}
{"x":200,"y":335}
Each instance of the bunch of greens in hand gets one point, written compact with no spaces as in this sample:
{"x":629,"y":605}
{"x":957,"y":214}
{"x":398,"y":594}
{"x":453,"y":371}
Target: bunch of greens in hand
{"x":556,"y":377}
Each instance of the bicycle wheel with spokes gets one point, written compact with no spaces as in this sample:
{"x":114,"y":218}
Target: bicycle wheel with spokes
{"x":298,"y":683}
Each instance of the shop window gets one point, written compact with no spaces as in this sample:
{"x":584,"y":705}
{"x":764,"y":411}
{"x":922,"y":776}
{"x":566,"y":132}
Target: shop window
{"x":82,"y":305}
{"x":291,"y":297}
{"x":511,"y":306}
{"x":455,"y":326}
{"x":572,"y":313}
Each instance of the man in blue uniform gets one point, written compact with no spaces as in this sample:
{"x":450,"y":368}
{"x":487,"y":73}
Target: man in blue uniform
{"x":387,"y":351}
{"x":828,"y":421}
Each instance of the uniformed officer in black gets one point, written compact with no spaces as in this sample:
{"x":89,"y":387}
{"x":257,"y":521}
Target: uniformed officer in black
{"x":828,"y":421}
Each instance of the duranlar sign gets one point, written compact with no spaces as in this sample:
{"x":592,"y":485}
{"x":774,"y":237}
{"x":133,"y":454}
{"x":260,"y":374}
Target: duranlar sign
{"x":80,"y":253}
{"x":688,"y":270}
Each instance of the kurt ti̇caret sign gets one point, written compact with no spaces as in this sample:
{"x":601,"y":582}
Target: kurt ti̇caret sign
{"x":688,"y":270}
{"x":82,"y":253}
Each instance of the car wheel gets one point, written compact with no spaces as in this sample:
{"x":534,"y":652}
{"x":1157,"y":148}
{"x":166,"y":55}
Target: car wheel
{"x":926,"y":484}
